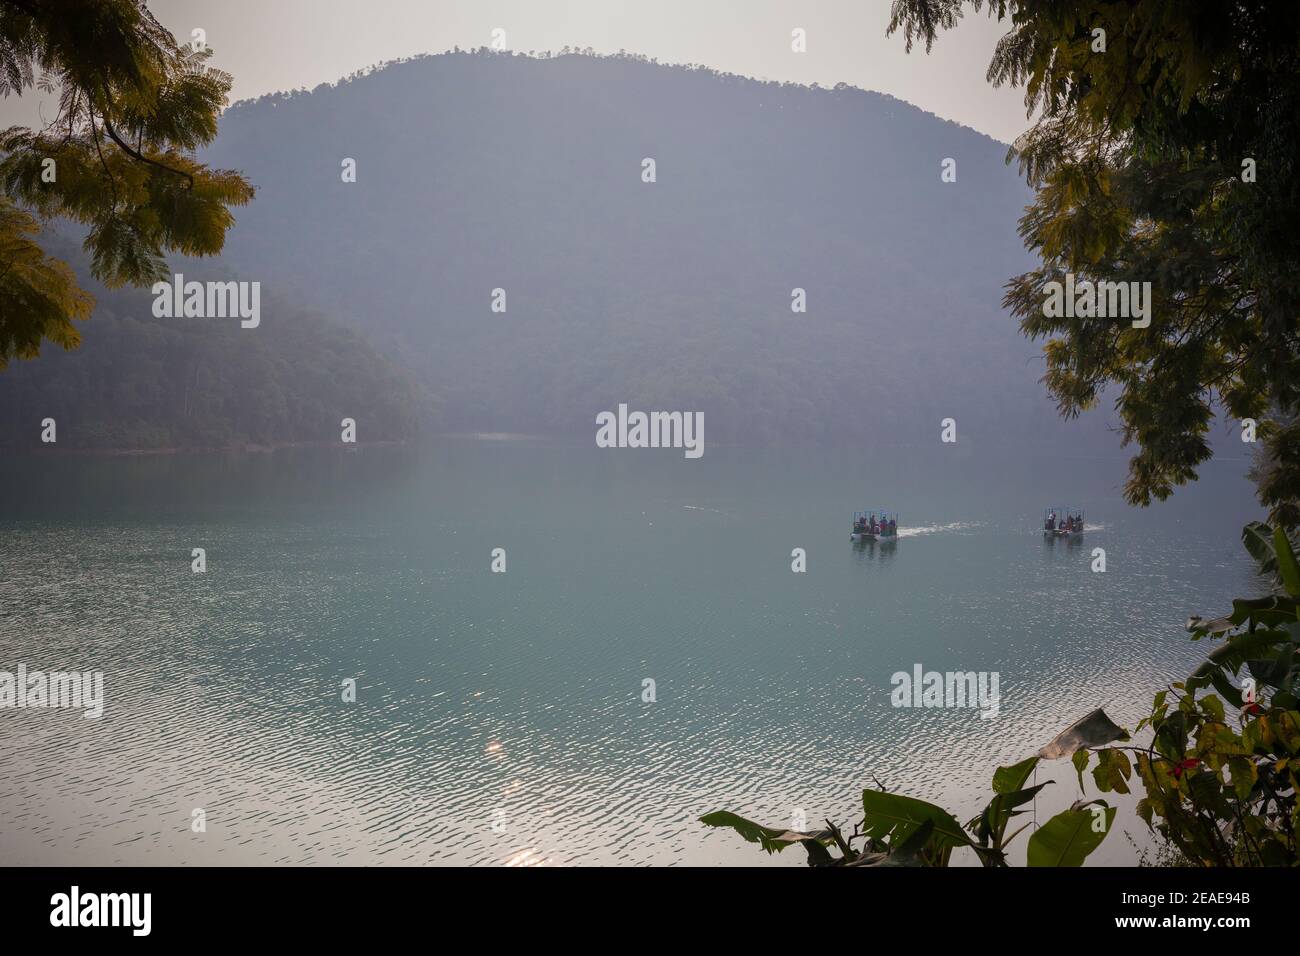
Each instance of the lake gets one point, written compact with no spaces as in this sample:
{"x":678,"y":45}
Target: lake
{"x":499,"y":717}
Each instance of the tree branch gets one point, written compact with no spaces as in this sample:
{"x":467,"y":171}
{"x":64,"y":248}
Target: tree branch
{"x":134,"y":154}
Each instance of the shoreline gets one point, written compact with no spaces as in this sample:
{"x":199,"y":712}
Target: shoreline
{"x":247,"y":448}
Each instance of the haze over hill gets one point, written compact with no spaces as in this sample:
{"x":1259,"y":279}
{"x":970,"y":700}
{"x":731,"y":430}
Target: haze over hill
{"x":478,"y":171}
{"x":139,"y":382}
{"x":482,"y":171}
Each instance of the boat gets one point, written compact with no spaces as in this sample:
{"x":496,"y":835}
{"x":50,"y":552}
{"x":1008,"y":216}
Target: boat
{"x":1062,"y":521}
{"x":877,"y":524}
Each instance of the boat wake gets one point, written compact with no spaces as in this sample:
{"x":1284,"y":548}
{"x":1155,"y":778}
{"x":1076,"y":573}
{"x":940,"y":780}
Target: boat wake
{"x":939,"y":528}
{"x":714,"y":510}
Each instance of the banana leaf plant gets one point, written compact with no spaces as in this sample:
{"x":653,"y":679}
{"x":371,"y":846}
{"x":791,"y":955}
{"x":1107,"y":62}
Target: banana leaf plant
{"x":1221,"y":770}
{"x":897,"y":830}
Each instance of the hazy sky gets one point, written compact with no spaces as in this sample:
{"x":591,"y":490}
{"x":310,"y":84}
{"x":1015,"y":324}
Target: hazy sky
{"x":272,"y":45}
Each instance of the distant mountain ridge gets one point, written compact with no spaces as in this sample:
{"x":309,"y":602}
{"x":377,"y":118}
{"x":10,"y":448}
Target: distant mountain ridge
{"x":478,"y":172}
{"x":482,"y":171}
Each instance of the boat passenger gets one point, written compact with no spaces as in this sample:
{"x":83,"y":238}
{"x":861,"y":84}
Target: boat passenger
{"x":1051,"y":522}
{"x":893,"y":526}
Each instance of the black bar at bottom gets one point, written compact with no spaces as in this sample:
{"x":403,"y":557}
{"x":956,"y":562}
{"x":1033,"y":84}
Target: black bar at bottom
{"x":331,"y":905}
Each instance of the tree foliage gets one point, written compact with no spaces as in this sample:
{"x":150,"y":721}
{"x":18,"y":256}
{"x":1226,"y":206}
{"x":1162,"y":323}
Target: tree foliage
{"x":1222,"y":769}
{"x":897,"y":830}
{"x":39,"y":295}
{"x":1164,"y":151}
{"x":133,"y":106}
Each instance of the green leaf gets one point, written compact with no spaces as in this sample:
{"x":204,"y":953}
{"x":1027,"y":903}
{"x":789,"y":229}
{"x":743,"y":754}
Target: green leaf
{"x":1286,"y":563}
{"x":1244,"y":775}
{"x":1258,"y":539}
{"x":1143,"y":809}
{"x":991,"y":824}
{"x":893,"y":817}
{"x":1080,"y":761}
{"x":1112,"y":771}
{"x":1068,"y":838}
{"x":1207,"y":790}
{"x":1276,"y":671}
{"x":910,"y":851}
{"x":771,"y":840}
{"x":1012,"y":778}
{"x":1231,"y":656}
{"x":1214,"y":707}
{"x":1269,"y":611}
{"x":1171,"y":736}
{"x":818,"y":855}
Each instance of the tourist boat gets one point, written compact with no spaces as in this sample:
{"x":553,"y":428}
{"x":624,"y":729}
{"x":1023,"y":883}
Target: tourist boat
{"x":861,"y":528}
{"x":1062,"y":521}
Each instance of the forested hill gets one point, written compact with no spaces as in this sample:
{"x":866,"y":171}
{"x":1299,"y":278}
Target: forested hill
{"x":483,"y":171}
{"x":140,"y":382}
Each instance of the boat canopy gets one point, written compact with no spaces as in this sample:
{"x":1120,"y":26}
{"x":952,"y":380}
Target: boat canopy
{"x":1062,"y":511}
{"x":881,"y":514}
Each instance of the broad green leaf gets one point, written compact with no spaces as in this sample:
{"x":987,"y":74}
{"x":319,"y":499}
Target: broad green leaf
{"x":1232,"y":655}
{"x":1258,"y":539}
{"x":1287,"y":567}
{"x":771,"y":840}
{"x":1068,"y":838}
{"x":1269,"y":611}
{"x":1112,"y":771}
{"x":894,"y":817}
{"x":1012,"y":778}
{"x":909,"y":852}
{"x":818,"y":855}
{"x":1275,"y":671}
{"x":991,"y":824}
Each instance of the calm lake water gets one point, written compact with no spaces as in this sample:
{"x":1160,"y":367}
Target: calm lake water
{"x":499,"y":717}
